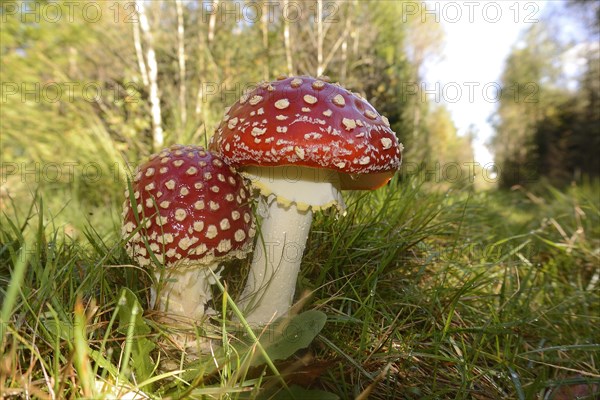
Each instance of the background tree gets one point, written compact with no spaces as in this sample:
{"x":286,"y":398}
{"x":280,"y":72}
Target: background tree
{"x":547,"y":123}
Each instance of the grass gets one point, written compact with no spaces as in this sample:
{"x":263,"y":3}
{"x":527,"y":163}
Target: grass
{"x":427,"y":295}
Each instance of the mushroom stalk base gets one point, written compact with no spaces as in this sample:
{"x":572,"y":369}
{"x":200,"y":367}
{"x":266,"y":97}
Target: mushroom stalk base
{"x":271,"y":283}
{"x":184,"y":293}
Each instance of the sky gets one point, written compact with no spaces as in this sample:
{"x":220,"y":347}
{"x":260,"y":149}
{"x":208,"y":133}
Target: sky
{"x":478,"y":38}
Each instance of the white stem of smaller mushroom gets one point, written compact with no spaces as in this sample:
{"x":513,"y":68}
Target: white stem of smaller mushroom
{"x":292,"y":194}
{"x":184,"y":293}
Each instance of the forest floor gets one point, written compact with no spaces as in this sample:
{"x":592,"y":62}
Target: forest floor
{"x":413,"y":294}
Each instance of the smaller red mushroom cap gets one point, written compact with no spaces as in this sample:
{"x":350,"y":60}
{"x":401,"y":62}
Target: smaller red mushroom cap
{"x":194,"y":208}
{"x":309,"y":122}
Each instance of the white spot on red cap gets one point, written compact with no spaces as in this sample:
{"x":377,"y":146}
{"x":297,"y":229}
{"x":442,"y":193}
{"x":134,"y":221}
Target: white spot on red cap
{"x":327,"y":113}
{"x":282,"y":104}
{"x":178,"y":163}
{"x":201,"y":249}
{"x":171,"y":253}
{"x":186,"y":242}
{"x":296,"y":82}
{"x":224,"y":245}
{"x":166,"y":238}
{"x":349,"y":124}
{"x":232,"y":123}
{"x":255,"y":100}
{"x":170,"y":184}
{"x":199,"y":205}
{"x":180,"y":214}
{"x":338,"y":100}
{"x":299,"y":152}
{"x":224,"y":224}
{"x":318,"y":84}
{"x":370,"y":114}
{"x":150,"y":172}
{"x":239,"y":235}
{"x":258,"y":131}
{"x":386,"y":143}
{"x":198,"y":226}
{"x":211,"y":232}
{"x":310,"y":99}
{"x":192,"y":171}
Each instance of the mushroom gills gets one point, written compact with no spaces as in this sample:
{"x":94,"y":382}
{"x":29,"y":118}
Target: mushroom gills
{"x":305,"y":187}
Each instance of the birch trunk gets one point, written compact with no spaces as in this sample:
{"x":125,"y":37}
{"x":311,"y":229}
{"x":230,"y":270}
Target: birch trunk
{"x":181,"y":57}
{"x":212,"y":21}
{"x":287,"y":40}
{"x":137,"y":43}
{"x":157,"y":131}
{"x":265,"y":39}
{"x":320,"y":67}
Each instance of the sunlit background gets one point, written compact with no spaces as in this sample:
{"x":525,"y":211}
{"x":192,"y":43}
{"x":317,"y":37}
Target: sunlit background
{"x":505,"y":91}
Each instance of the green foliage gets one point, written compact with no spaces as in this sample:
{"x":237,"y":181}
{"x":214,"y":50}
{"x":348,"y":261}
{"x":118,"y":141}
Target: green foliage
{"x":544,"y":129}
{"x":427,"y":295}
{"x":290,"y":335}
{"x":137,"y":344}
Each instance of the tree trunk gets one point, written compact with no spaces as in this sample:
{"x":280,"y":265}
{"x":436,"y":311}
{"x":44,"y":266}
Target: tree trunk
{"x":157,"y":131}
{"x":320,"y":67}
{"x":137,"y":43}
{"x":265,"y":39}
{"x":181,"y":57}
{"x":287,"y":41}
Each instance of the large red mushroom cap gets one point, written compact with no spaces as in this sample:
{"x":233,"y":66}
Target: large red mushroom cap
{"x":194,"y":208}
{"x":309,"y":122}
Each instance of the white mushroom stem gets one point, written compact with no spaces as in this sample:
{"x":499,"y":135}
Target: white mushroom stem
{"x":183,"y":293}
{"x":292,"y":194}
{"x":271,"y":283}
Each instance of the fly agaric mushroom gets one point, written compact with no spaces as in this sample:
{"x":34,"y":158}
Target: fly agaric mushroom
{"x":300,"y":140}
{"x":195,"y":211}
